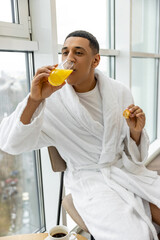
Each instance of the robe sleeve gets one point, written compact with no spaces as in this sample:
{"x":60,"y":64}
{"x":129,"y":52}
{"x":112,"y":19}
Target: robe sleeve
{"x":138,"y":154}
{"x":15,"y":137}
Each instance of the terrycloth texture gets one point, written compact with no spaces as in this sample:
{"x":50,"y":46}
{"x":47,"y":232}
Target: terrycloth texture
{"x":110,"y":185}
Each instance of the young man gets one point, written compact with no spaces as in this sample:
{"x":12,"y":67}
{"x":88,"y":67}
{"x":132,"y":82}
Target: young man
{"x":111,"y":188}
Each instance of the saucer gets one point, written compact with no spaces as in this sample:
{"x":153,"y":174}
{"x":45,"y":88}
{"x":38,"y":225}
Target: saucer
{"x":47,"y":238}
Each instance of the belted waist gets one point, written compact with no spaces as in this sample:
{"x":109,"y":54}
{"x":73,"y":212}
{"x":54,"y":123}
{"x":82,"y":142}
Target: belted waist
{"x":121,"y":160}
{"x":97,"y":166}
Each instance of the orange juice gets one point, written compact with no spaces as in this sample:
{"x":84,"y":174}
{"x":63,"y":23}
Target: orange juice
{"x":58,"y":76}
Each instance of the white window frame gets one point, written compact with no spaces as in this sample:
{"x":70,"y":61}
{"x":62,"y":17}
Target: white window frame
{"x":154,"y":149}
{"x":17,"y":44}
{"x":21,"y":30}
{"x":16,"y":38}
{"x":124,"y":60}
{"x":102,"y":52}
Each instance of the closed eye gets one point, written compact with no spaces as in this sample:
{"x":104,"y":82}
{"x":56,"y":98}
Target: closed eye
{"x":79,"y":53}
{"x":65,"y":53}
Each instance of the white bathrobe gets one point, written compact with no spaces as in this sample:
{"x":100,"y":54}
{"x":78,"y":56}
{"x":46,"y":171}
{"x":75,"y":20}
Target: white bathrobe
{"x":105,"y":172}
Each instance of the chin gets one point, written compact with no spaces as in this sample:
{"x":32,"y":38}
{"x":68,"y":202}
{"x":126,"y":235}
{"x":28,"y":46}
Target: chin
{"x":70,"y":80}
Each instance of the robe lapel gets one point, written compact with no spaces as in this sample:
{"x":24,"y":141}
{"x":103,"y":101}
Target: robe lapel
{"x":110,"y":132}
{"x":79,"y":112}
{"x":111,"y":118}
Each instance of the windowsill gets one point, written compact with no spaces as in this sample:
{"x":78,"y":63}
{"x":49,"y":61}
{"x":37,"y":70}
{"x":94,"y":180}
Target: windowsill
{"x":154,"y":150}
{"x":8,"y":43}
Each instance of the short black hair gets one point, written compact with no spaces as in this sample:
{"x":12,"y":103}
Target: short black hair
{"x":93,"y":43}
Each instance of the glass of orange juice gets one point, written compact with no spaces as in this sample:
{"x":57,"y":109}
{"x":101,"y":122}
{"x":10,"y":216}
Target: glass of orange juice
{"x":61,"y":73}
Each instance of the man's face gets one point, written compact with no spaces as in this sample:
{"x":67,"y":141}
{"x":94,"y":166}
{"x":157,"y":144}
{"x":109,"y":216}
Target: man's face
{"x":77,"y":49}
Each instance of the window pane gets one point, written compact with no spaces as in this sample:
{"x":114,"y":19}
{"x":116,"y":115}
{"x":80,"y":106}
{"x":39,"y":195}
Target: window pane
{"x":144,"y":25}
{"x":19,"y":203}
{"x":9,"y":11}
{"x":84,"y":15}
{"x":106,"y":65}
{"x":13,"y":82}
{"x":144,"y":89}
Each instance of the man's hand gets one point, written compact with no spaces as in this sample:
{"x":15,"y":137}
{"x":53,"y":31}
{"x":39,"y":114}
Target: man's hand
{"x":136,"y":122}
{"x":41,"y":88}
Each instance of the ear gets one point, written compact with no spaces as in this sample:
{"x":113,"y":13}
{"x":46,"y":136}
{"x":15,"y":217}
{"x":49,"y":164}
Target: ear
{"x":96,"y":60}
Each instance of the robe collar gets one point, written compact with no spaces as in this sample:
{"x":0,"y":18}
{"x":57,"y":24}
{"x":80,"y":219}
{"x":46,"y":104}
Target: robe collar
{"x":110,"y":132}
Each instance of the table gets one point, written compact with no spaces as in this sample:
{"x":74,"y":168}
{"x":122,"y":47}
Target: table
{"x":34,"y":236}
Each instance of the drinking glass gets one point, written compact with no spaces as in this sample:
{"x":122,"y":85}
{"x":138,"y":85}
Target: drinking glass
{"x":61,"y":73}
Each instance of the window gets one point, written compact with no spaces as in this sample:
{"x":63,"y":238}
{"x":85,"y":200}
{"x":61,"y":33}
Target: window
{"x":144,"y":89}
{"x":106,"y":65}
{"x":145,"y":58}
{"x":20,"y":181}
{"x":9,"y":11}
{"x":69,"y":18}
{"x":21,"y":196}
{"x":102,"y":27}
{"x":14,"y":18}
{"x":145,"y":22}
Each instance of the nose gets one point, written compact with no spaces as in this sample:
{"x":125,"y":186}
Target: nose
{"x":70,"y":57}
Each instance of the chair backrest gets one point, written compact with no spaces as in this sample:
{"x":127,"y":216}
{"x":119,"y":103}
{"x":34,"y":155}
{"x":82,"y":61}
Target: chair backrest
{"x":59,"y":165}
{"x":57,"y":162}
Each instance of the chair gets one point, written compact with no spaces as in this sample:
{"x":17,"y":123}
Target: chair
{"x":59,"y":165}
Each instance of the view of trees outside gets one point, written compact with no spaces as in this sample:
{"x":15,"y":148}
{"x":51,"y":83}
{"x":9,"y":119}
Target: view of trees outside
{"x":19,"y":208}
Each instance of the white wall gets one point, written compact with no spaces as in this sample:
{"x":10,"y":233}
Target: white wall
{"x":43,"y":32}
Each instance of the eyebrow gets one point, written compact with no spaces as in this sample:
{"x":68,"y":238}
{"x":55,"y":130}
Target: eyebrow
{"x":76,"y":47}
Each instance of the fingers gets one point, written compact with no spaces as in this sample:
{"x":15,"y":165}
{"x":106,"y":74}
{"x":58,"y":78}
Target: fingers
{"x":55,"y":88}
{"x":41,"y":77}
{"x":136,"y":120}
{"x":136,"y":111}
{"x":43,"y":73}
{"x":45,"y":69}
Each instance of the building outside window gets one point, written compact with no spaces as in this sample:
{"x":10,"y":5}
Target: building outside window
{"x":21,"y":202}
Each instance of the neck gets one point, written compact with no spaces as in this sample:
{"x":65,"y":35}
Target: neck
{"x":86,"y":88}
